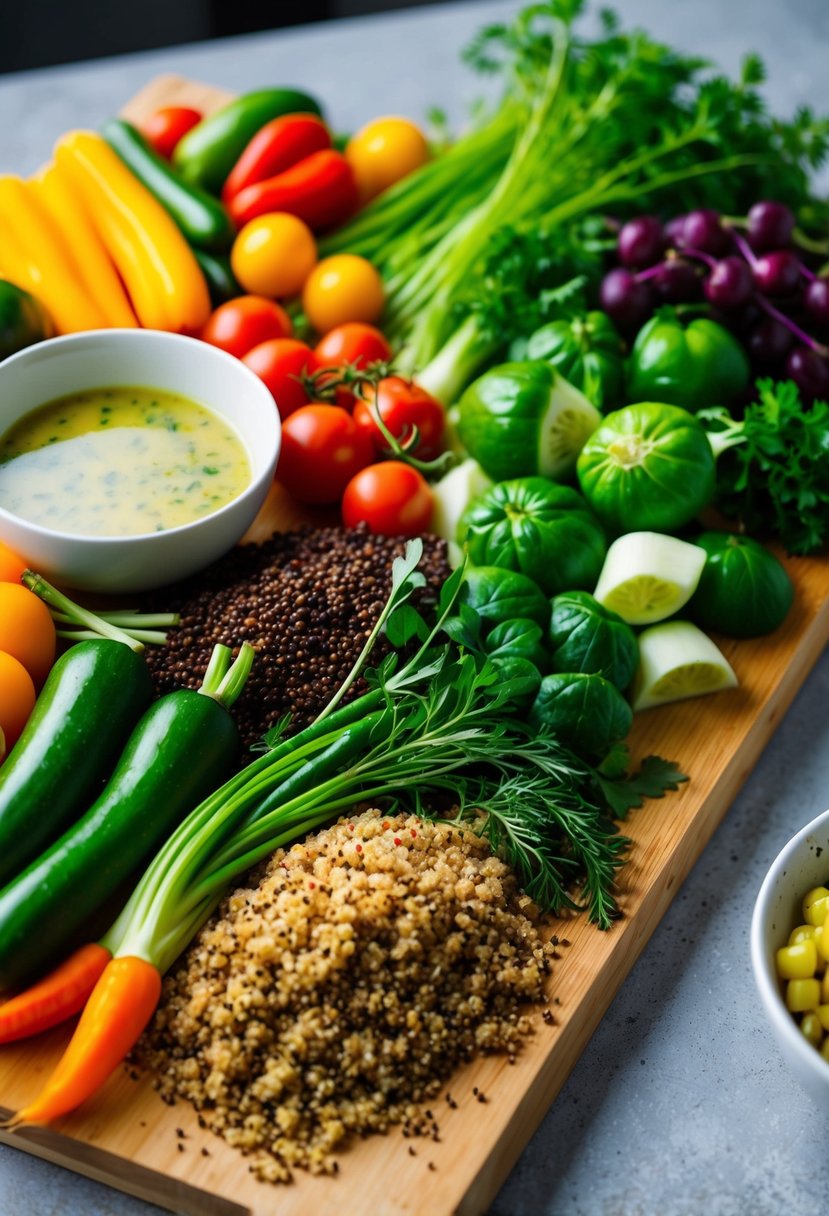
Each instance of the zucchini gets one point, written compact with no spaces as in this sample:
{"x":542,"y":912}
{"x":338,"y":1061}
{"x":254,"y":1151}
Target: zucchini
{"x":184,"y":747}
{"x":92,"y":698}
{"x":201,"y":218}
{"x":207,"y":153}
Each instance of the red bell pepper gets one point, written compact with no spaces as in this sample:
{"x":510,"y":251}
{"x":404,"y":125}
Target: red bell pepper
{"x":281,"y":143}
{"x":321,"y":190}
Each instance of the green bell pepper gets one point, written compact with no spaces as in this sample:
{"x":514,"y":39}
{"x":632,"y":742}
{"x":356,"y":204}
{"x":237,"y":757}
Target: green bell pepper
{"x":588,"y":352}
{"x":694,"y":366}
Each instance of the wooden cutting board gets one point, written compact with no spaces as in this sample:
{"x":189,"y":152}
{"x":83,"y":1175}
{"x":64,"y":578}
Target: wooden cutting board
{"x":129,"y":1139}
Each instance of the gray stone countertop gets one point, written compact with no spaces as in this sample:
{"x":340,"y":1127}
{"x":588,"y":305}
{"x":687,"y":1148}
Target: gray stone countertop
{"x":680,"y":1104}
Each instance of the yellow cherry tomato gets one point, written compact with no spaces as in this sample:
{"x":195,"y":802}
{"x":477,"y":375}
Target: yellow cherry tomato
{"x":17,"y":698}
{"x":273,"y":255}
{"x":383,"y":152}
{"x":342,"y":288}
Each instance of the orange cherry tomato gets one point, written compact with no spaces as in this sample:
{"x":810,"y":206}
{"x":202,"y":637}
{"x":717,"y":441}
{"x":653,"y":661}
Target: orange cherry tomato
{"x":342,"y":288}
{"x":321,"y":451}
{"x":383,"y":152}
{"x":27,"y":631}
{"x":391,"y":497}
{"x":238,"y":325}
{"x":274,"y":254}
{"x":164,"y":128}
{"x":17,"y":698}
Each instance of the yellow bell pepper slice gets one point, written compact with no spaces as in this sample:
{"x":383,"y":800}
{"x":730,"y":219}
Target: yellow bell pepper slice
{"x":93,"y":264}
{"x":162,"y":276}
{"x":36,"y":256}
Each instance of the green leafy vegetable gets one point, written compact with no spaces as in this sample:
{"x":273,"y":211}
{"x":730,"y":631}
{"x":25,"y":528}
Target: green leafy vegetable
{"x":437,"y":729}
{"x":774,"y":474}
{"x":619,"y":122}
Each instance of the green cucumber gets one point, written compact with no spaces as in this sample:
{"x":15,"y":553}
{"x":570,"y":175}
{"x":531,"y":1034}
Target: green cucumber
{"x":92,"y":698}
{"x":183,"y":748}
{"x":220,"y":279}
{"x":200,"y":217}
{"x":207,"y":153}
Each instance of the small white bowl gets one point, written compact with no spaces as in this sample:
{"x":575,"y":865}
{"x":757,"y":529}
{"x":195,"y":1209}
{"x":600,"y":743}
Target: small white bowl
{"x":801,"y":865}
{"x":153,"y":359}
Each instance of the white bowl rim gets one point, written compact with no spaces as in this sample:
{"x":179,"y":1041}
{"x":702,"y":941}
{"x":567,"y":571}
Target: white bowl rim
{"x":156,"y":334}
{"x":767,"y":982}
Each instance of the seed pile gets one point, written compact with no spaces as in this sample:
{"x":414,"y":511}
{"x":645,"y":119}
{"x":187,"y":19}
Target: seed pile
{"x":335,"y":996}
{"x":306,"y":601}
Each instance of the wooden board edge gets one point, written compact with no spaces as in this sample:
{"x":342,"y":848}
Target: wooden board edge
{"x":119,"y":1172}
{"x":539,"y":1096}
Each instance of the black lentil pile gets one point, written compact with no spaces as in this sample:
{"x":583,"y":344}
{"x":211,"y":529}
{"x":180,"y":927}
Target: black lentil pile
{"x":306,"y":602}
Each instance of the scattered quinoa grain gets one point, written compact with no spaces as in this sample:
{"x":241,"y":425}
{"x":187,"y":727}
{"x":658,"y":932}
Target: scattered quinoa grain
{"x":301,"y":1017}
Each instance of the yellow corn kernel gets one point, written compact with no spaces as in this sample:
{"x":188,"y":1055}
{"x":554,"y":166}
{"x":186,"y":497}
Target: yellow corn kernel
{"x":797,"y":962}
{"x":803,"y":933}
{"x":811,"y":1029}
{"x":824,"y":1049}
{"x":815,"y":896}
{"x":824,"y":989}
{"x":802,"y":995}
{"x":821,"y":1012}
{"x":820,"y":965}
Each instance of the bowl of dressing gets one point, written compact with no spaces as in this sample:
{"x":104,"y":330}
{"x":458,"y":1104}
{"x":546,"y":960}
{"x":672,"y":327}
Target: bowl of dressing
{"x":130,"y":458}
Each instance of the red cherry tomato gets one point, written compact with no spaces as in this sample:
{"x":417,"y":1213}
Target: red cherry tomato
{"x":354,"y":342}
{"x":167,"y":126}
{"x":403,"y":406}
{"x":391,"y":497}
{"x":322,"y":449}
{"x":239,"y":325}
{"x":280,"y":362}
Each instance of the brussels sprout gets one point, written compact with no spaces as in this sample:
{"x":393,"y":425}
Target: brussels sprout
{"x":522,"y":419}
{"x":586,"y":712}
{"x":543,"y":529}
{"x":589,"y":638}
{"x":648,"y":468}
{"x":743,"y":590}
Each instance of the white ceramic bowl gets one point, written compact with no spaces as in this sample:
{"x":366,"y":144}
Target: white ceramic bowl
{"x":153,"y":359}
{"x":802,"y":864}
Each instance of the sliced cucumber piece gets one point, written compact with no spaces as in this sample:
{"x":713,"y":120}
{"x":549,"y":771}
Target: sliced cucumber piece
{"x":453,"y":494}
{"x":648,"y":576}
{"x":677,"y":660}
{"x":567,"y":423}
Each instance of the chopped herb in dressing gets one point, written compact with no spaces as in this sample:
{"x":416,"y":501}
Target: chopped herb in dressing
{"x":134,"y":464}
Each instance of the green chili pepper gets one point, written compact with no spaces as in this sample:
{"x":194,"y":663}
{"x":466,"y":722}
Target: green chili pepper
{"x":694,"y":366}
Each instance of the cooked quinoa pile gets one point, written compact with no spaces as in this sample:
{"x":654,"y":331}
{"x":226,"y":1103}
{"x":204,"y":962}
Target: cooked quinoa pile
{"x":306,"y":601}
{"x":335,"y":995}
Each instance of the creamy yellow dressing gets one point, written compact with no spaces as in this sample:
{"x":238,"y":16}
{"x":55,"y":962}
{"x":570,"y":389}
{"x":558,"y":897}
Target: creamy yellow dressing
{"x":119,"y":461}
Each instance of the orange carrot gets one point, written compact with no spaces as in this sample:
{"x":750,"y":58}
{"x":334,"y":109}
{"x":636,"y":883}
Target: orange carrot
{"x":120,"y":1006}
{"x":56,"y":997}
